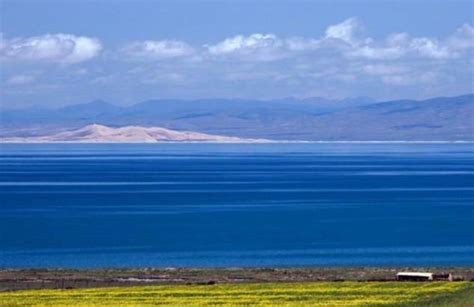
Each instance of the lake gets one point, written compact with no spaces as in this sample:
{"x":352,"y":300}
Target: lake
{"x":236,"y":205}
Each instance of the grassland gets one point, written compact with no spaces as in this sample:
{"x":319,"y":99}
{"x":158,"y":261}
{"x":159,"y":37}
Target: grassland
{"x":303,"y":294}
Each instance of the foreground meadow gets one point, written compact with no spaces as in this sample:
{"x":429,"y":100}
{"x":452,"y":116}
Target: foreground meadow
{"x":315,"y":294}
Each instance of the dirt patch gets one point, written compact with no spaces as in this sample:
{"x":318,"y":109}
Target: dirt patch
{"x":14,"y":279}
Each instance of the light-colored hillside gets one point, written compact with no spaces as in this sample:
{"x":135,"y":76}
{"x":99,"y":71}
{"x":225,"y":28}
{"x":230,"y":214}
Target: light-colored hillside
{"x":129,"y":134}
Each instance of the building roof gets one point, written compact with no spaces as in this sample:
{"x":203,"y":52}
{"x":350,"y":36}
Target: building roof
{"x":424,"y":274}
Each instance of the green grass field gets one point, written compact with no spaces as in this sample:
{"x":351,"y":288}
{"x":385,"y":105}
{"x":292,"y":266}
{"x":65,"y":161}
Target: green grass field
{"x":314,"y":294}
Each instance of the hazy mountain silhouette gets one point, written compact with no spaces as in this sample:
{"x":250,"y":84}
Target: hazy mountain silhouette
{"x":442,"y":118}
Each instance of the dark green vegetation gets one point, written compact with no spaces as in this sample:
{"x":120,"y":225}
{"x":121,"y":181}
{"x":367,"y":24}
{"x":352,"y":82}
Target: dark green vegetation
{"x":462,"y":298}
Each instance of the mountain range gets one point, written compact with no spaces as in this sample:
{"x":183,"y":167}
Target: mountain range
{"x":314,"y":119}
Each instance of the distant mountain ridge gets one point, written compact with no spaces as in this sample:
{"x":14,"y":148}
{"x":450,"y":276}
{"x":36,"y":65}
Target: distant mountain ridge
{"x":313,"y":119}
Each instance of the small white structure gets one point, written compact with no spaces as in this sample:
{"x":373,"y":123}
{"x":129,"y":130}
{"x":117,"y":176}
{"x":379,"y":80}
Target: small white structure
{"x":415,"y":276}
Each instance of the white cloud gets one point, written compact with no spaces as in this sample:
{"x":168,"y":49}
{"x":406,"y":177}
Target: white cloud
{"x":156,"y":50}
{"x":396,"y":40}
{"x":400,"y":45}
{"x":345,"y":38}
{"x":20,"y":79}
{"x":269,"y":47}
{"x":257,"y":46}
{"x":346,"y":31}
{"x":245,"y":44}
{"x":397,"y":48}
{"x":463,"y":38}
{"x":3,"y":43}
{"x":60,"y":48}
{"x":430,"y":48}
{"x":302,"y":44}
{"x":342,"y":54}
{"x":376,"y":53}
{"x":260,"y":47}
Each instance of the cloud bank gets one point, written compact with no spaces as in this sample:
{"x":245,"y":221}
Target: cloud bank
{"x":343,"y":61}
{"x":346,"y":39}
{"x":157,"y":50}
{"x":59,"y":48}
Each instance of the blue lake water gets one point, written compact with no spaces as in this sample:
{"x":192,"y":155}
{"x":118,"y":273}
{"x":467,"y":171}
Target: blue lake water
{"x":215,"y":205}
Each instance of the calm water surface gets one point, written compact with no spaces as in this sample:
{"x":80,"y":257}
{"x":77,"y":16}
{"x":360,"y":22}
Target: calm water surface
{"x":76,"y":205}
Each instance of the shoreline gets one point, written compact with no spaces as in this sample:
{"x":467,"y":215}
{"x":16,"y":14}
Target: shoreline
{"x":21,"y":279}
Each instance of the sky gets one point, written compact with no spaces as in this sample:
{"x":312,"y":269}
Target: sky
{"x":55,"y":53}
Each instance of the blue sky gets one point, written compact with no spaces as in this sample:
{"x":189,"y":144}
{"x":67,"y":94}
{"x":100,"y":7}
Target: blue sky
{"x":56,"y":53}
